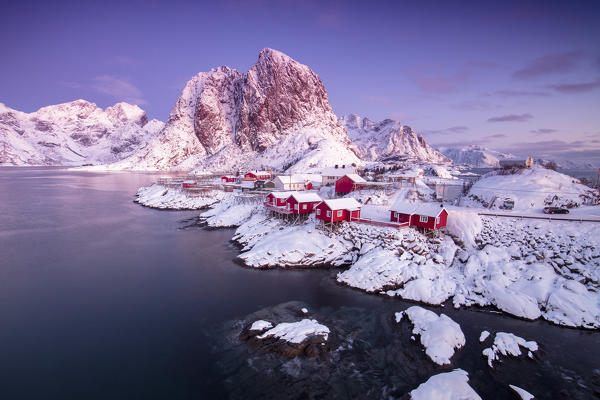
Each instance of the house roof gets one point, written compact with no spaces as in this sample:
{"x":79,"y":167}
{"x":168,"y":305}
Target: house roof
{"x":338,"y":171}
{"x":355,"y":178}
{"x":349,"y":204}
{"x":427,"y":209}
{"x":281,"y":195}
{"x":259,"y":172}
{"x":291,"y":179}
{"x":306,"y":197}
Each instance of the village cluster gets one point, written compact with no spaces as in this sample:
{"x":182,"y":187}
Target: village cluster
{"x":294,"y":197}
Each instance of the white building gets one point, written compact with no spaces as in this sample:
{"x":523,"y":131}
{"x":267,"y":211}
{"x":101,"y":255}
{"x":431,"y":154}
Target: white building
{"x":290,"y":182}
{"x":331,"y":175}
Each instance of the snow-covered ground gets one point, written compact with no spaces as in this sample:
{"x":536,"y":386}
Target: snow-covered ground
{"x":452,"y":385}
{"x":159,"y":196}
{"x":508,"y":344}
{"x":526,"y":268}
{"x":440,"y":335}
{"x":530,"y":188}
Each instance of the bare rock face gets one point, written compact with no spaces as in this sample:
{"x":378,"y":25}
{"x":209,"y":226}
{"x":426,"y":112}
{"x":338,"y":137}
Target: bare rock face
{"x":275,"y":115}
{"x":279,"y":93}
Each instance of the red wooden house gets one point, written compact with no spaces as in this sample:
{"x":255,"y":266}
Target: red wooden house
{"x":257,"y":176}
{"x":189,"y":184}
{"x":277,"y":199}
{"x":422,"y":215}
{"x":303,"y":203}
{"x":349,"y":183}
{"x":338,"y":210}
{"x":228,"y":179}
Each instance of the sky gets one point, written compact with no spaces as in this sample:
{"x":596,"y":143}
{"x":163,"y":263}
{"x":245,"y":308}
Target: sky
{"x":514,"y":76}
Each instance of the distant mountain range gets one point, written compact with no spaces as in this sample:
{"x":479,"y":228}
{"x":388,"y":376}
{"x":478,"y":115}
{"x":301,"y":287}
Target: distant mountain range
{"x":75,"y":133}
{"x":276,"y":115}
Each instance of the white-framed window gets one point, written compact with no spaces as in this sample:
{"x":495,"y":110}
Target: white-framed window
{"x":339,"y":213}
{"x":395,"y":214}
{"x":304,"y":206}
{"x":423,"y":218}
{"x":437,"y":220}
{"x":296,"y":206}
{"x":274,"y":201}
{"x":318,"y":211}
{"x":328,"y":213}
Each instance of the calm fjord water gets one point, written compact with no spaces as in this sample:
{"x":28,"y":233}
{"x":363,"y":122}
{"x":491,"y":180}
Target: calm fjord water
{"x":103,"y":298}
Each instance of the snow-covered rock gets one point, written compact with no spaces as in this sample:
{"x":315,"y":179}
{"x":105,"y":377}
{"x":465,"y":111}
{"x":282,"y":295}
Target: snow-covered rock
{"x":389,"y":140}
{"x":261,"y":325}
{"x":484,"y":335}
{"x":440,"y":335}
{"x":535,"y":187}
{"x":508,"y":344}
{"x":475,"y":156}
{"x":523,"y":394}
{"x":172,"y":198}
{"x":277,"y":115}
{"x":73,"y":134}
{"x":452,"y":385}
{"x":297,"y":332}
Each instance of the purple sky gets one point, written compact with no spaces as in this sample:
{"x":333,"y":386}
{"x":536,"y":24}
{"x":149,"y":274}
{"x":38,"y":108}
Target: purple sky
{"x":515,"y":76}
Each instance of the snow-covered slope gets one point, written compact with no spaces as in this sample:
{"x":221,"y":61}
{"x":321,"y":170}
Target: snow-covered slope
{"x":389,"y":139}
{"x":276,"y":115}
{"x":475,"y":156}
{"x":535,"y":187}
{"x":74,"y":133}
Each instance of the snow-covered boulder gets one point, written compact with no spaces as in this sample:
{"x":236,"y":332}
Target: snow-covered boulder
{"x":440,"y":335}
{"x":508,"y":344}
{"x":452,"y":385}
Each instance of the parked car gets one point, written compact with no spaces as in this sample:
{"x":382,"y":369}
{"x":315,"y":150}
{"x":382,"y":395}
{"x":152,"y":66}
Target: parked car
{"x":555,"y":210}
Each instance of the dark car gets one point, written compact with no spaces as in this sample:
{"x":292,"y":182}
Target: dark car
{"x":555,"y":210}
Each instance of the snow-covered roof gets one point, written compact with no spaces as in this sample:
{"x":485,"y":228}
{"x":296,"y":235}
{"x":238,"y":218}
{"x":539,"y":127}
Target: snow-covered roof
{"x":259,"y":172}
{"x":355,"y":178}
{"x":427,"y":209}
{"x":307,"y":197}
{"x":338,"y":171}
{"x":349,"y":204}
{"x":291,"y":179}
{"x":189,"y":181}
{"x":281,"y":195}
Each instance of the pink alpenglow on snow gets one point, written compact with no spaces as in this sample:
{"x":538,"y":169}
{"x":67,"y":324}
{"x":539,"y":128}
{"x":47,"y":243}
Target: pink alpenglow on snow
{"x":440,"y":335}
{"x":446,"y":386}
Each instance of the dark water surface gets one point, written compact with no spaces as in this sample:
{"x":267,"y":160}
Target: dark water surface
{"x":102,"y":298}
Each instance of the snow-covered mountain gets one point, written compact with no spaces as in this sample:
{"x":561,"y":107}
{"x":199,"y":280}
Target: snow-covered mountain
{"x":275,"y":115}
{"x":389,"y":139}
{"x":475,"y":156}
{"x":74,"y":133}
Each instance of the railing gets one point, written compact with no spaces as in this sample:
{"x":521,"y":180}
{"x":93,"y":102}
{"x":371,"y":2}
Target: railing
{"x":281,"y":210}
{"x":380,"y":223}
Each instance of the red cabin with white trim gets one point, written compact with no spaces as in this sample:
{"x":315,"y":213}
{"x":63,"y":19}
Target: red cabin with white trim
{"x":189,"y":184}
{"x":338,"y":210}
{"x":303,"y":203}
{"x":257,"y":176}
{"x":277,"y":199}
{"x":228,"y":179}
{"x":421,"y":215}
{"x":349,"y":183}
